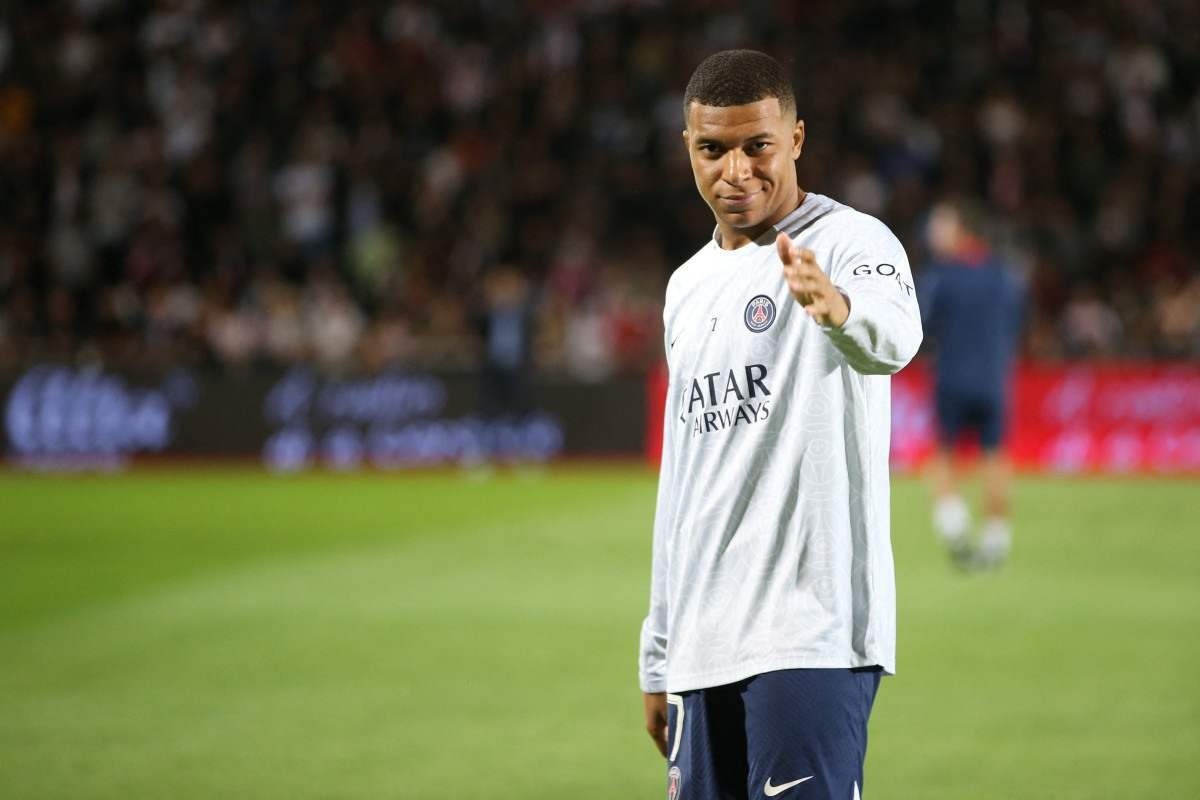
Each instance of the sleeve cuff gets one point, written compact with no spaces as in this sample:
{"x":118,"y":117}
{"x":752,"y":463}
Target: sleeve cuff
{"x":849,"y":315}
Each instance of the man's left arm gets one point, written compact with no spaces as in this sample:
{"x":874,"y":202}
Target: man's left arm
{"x":868,"y":308}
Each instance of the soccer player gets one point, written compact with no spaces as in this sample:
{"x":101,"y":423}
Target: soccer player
{"x":772,"y":601}
{"x":971,"y":305}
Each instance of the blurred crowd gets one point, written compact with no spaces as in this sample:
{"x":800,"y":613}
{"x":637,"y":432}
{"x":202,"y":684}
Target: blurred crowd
{"x":223,"y":183}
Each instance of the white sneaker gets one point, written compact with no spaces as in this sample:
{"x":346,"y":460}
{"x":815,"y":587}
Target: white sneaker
{"x":951,"y":518}
{"x":952,"y":521}
{"x":995,"y":543}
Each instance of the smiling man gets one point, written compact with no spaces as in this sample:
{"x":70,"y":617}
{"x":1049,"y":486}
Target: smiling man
{"x":772,"y":601}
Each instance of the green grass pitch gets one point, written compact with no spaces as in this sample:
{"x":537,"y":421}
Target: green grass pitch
{"x":229,"y":634}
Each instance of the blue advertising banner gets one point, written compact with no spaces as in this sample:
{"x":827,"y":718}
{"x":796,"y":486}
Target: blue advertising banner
{"x":57,"y":416}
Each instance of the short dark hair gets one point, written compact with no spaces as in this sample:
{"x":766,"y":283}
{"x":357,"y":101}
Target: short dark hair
{"x":736,"y":78}
{"x":971,"y":214}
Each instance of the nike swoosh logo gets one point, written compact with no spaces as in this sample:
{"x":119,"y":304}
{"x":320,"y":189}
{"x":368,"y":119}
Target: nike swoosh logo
{"x":673,"y":341}
{"x":771,"y":791}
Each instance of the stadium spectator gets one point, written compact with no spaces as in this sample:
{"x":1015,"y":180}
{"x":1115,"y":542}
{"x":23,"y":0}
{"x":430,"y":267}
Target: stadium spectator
{"x":145,"y":144}
{"x":506,"y":327}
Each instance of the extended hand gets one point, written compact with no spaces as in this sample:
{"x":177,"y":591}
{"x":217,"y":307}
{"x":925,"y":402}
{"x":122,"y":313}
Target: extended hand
{"x":655,"y":705}
{"x":810,"y":285}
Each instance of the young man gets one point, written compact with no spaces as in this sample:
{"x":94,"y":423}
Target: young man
{"x":972,"y":309}
{"x":772,"y":611}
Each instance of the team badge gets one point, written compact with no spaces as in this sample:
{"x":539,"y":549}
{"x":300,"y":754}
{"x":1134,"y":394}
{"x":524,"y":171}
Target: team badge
{"x":674,"y":777}
{"x":760,"y":313}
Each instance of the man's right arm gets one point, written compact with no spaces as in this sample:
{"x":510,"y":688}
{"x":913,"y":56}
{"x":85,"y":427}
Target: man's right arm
{"x":652,"y":656}
{"x":652,"y":661}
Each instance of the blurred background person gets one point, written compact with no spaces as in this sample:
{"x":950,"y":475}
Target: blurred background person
{"x":971,"y":306}
{"x":506,"y":326}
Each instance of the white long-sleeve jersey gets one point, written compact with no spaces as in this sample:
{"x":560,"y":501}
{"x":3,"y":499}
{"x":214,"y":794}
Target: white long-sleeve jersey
{"x":772,"y":543}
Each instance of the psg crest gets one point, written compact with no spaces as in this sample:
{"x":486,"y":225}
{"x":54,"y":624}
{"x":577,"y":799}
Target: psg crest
{"x":760,"y":313}
{"x":673,"y":779}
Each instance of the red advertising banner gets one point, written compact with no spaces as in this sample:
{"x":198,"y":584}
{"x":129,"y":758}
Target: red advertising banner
{"x":1109,"y":418}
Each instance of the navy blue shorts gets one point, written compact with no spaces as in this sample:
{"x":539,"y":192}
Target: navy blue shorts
{"x":981,"y":412}
{"x":796,"y":733}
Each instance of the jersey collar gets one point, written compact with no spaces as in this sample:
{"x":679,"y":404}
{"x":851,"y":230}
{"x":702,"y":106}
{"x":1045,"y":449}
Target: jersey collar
{"x":811,"y":208}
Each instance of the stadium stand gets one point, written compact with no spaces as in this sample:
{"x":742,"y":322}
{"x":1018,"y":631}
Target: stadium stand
{"x":219,"y":183}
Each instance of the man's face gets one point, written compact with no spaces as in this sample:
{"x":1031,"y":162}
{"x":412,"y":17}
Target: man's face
{"x":743,"y":158}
